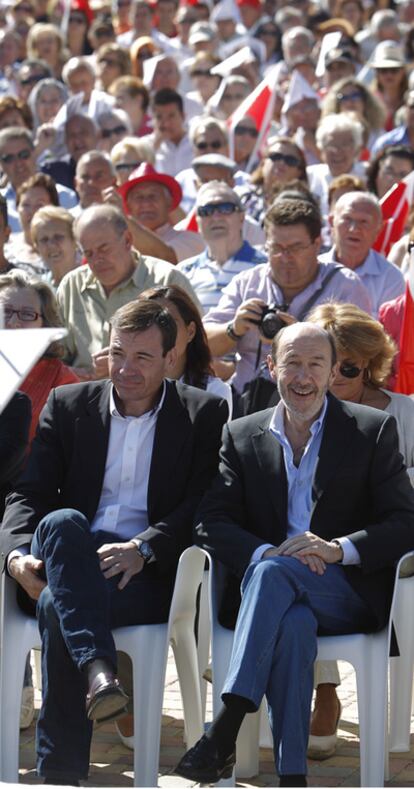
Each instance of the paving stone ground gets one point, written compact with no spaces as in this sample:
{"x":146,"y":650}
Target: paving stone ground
{"x":111,"y":762}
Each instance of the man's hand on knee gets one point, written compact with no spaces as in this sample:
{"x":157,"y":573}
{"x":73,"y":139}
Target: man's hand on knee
{"x":314,"y":563}
{"x":120,"y":557}
{"x":307,"y":545}
{"x":25,"y":570}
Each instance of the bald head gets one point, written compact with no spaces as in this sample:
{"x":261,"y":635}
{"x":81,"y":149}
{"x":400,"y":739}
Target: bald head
{"x":363,"y":200}
{"x":287,"y":337}
{"x":356,"y":222}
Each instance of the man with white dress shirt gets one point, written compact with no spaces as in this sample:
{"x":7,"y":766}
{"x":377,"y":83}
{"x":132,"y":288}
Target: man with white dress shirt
{"x":96,"y":524}
{"x":356,"y":222}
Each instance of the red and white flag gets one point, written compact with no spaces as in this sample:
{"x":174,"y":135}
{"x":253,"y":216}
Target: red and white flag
{"x":395,"y":206}
{"x":405,"y":376}
{"x":190,"y":222}
{"x":259,"y":105}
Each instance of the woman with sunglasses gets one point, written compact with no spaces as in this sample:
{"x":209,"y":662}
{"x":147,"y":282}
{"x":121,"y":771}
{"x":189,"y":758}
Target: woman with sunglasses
{"x":283,"y":161}
{"x":365,"y":354}
{"x":128,"y":154}
{"x":350,"y":95}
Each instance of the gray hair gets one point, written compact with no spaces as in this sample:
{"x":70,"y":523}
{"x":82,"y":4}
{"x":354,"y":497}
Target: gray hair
{"x":202,"y":124}
{"x":106,"y":214}
{"x":218,"y":189}
{"x":48,"y":82}
{"x":117,"y":115}
{"x":15,"y":133}
{"x":360,"y":197}
{"x":339,"y":122}
{"x":96,"y":156}
{"x":381,"y":19}
{"x":76,"y":64}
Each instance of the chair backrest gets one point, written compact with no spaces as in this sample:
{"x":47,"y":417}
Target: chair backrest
{"x":187,"y":582}
{"x":403,"y":597}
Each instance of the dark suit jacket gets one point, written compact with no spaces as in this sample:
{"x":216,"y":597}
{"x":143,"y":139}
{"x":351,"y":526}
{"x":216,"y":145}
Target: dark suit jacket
{"x":14,"y":442}
{"x":360,"y":490}
{"x":67,"y":464}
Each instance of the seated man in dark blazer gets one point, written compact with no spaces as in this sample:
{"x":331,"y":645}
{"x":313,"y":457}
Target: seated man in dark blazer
{"x":95,"y":526}
{"x":312,"y":508}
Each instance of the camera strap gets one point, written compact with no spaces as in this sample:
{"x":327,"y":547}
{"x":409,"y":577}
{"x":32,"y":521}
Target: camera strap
{"x":334,"y":268}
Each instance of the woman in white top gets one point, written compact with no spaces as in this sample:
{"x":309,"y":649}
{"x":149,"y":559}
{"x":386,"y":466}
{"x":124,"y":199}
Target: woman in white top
{"x":193,"y":354}
{"x":365,"y":354}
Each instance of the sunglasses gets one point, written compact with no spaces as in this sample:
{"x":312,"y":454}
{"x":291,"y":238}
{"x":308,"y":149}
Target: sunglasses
{"x":77,"y":20}
{"x":199,"y":72}
{"x":124,"y":166}
{"x":239,"y":130}
{"x":8,"y":158}
{"x":217,"y":208}
{"x":350,"y":370}
{"x":215,"y":145}
{"x":287,"y":158}
{"x":32,"y":80}
{"x":354,"y":96}
{"x":106,"y":133}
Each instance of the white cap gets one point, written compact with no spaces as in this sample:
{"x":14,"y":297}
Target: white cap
{"x":239,"y":58}
{"x":225,"y":9}
{"x":299,"y":89}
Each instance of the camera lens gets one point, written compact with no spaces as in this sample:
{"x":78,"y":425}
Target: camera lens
{"x":270,"y":325}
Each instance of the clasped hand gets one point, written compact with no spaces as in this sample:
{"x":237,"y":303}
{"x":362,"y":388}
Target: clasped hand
{"x":309,"y":549}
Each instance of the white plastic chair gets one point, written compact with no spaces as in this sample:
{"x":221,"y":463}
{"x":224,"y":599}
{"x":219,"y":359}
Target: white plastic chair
{"x":147,"y":646}
{"x":401,"y":668}
{"x":367,"y":653}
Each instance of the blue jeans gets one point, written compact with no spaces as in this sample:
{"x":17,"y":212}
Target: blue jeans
{"x":77,"y":611}
{"x":284,"y":606}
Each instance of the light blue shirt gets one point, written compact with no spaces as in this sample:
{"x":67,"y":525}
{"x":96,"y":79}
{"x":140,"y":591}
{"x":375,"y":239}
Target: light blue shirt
{"x":300,"y":481}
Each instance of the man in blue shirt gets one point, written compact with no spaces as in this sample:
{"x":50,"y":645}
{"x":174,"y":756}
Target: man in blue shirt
{"x":311,"y":509}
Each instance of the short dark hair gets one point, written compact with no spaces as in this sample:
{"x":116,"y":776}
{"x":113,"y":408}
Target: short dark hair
{"x":400,"y":151}
{"x":142,"y":314}
{"x":41,"y":181}
{"x":168,"y":96}
{"x":289,"y":211}
{"x":3,"y":210}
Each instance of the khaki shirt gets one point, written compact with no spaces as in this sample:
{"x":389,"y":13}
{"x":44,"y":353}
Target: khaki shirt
{"x":87,"y":310}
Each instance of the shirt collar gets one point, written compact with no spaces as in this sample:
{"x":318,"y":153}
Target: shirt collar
{"x":154,"y":411}
{"x":277,"y":422}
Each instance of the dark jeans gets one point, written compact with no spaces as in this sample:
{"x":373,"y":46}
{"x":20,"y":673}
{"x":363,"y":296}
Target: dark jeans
{"x":76,"y":612}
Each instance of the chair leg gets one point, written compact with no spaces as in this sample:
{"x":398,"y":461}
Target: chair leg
{"x":186,"y":662}
{"x":203,"y":645}
{"x":371,"y":675}
{"x":148,"y":682}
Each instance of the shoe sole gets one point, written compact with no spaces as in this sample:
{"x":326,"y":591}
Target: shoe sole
{"x":204,"y":778}
{"x":108,"y":706}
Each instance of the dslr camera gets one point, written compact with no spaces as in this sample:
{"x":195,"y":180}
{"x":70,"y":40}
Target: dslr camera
{"x":270,"y":323}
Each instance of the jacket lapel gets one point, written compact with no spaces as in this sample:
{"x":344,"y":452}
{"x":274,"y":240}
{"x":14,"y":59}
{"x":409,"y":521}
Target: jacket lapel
{"x":337,"y":434}
{"x":269,"y":455}
{"x":94,"y":428}
{"x":171,"y":433}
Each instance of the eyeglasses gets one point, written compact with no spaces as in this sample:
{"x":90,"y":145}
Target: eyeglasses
{"x":287,"y":158}
{"x":108,"y":62}
{"x":125,"y":166}
{"x":233,"y":97}
{"x":272,"y":33}
{"x":239,"y":130}
{"x":209,"y":209}
{"x":354,"y":96}
{"x":199,"y":72}
{"x":350,"y":370}
{"x":214,"y":144}
{"x":106,"y":133}
{"x":32,"y":80}
{"x":8,"y":158}
{"x":24,"y":315}
{"x":277,"y":250}
{"x":77,"y":20}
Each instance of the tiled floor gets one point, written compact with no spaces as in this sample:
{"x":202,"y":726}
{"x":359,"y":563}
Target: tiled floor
{"x":111,"y":762}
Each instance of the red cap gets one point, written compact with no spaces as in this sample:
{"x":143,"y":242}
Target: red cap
{"x":253,"y":3}
{"x":145,"y":173}
{"x":83,"y":6}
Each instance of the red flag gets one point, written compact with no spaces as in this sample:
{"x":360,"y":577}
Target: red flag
{"x":259,"y":106}
{"x":190,"y":223}
{"x":405,"y":377}
{"x":395,"y":206}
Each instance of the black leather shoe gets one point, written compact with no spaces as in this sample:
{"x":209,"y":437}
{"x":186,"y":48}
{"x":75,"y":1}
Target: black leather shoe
{"x":106,"y":700}
{"x":203,"y":765}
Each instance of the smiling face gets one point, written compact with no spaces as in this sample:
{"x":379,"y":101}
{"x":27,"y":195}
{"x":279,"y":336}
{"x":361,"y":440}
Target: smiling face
{"x":339,"y":152}
{"x":137,"y":367}
{"x":30,"y":202}
{"x":280,"y":171}
{"x":48,"y":103}
{"x":55,"y":244}
{"x":303,"y":371}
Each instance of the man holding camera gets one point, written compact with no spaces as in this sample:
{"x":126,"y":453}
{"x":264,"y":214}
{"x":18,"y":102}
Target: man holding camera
{"x":287,"y":287}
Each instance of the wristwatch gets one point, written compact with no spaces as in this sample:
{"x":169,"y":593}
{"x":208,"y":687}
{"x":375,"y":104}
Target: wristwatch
{"x":144,"y":549}
{"x":231,"y":333}
{"x":336,"y":542}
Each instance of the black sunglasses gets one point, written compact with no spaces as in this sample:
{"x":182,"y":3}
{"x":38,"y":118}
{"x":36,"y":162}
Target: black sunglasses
{"x":209,"y":209}
{"x":125,"y":166}
{"x":110,"y":132}
{"x":287,"y":158}
{"x":350,"y":370}
{"x":215,"y":145}
{"x":239,"y":130}
{"x":32,"y":80}
{"x":199,"y":72}
{"x":8,"y":158}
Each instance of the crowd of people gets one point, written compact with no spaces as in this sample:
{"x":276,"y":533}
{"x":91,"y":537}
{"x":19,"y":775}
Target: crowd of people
{"x":194,"y":190}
